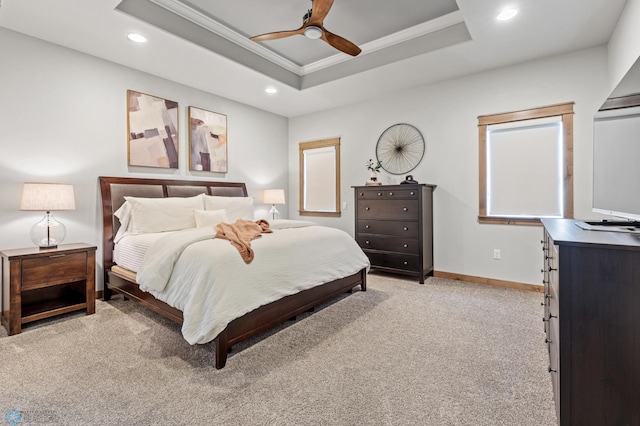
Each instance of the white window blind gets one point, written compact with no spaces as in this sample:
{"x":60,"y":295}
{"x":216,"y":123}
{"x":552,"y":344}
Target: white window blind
{"x":524,"y":168}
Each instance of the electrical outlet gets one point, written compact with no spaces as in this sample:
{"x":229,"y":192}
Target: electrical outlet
{"x":496,"y":254}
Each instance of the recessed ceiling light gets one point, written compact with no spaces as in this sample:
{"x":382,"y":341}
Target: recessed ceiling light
{"x":507,"y":14}
{"x":138,"y":38}
{"x":271,"y":90}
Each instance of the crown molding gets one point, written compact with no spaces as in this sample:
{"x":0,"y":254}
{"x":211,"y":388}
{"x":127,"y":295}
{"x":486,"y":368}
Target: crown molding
{"x":205,"y":21}
{"x":419,"y":30}
{"x":208,"y":23}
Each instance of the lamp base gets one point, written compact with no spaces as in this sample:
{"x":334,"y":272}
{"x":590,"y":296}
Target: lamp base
{"x":47,"y":233}
{"x":273,"y":211}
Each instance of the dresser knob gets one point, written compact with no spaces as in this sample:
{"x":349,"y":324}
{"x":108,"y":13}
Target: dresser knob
{"x":362,"y":194}
{"x":551,"y":370}
{"x":405,"y":262}
{"x":547,"y":340}
{"x":405,"y":209}
{"x":405,"y":245}
{"x":405,"y":229}
{"x":391,"y":193}
{"x":552,"y":316}
{"x":366,"y":242}
{"x":367,"y":208}
{"x":379,"y":194}
{"x":547,"y":296}
{"x":366,"y":226}
{"x":413,"y":193}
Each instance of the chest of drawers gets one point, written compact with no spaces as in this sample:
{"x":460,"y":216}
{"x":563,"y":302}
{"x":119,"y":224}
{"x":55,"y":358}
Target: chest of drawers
{"x":592,"y":323}
{"x":394,"y":227}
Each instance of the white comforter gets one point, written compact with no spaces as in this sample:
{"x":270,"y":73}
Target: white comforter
{"x":209,"y":282}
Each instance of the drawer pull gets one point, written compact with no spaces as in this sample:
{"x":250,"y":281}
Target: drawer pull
{"x":405,"y":229}
{"x":56,"y":255}
{"x":405,"y":245}
{"x":362,"y":194}
{"x":413,"y":193}
{"x":391,"y":193}
{"x":552,"y":316}
{"x":405,"y":209}
{"x":405,"y":262}
{"x":379,"y":194}
{"x":367,"y":208}
{"x":366,"y":242}
{"x":547,"y":340}
{"x":366,"y":226}
{"x":553,"y":269}
{"x":547,"y":296}
{"x":551,"y":370}
{"x":545,"y":281}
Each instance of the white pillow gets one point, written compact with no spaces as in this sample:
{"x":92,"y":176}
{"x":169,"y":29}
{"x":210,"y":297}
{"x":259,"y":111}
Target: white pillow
{"x":124,"y":216}
{"x":163,"y":214}
{"x":209,"y":218}
{"x":236,"y":207}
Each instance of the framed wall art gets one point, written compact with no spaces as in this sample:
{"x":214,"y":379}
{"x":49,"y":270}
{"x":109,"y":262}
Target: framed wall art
{"x":207,"y":141}
{"x":152,"y":128}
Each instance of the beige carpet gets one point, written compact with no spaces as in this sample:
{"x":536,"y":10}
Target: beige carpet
{"x":443,"y":353}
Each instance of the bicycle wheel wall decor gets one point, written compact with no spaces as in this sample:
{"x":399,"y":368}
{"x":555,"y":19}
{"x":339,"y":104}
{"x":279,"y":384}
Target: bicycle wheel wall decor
{"x":400,"y":148}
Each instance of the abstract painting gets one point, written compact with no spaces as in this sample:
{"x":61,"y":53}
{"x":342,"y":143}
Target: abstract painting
{"x":207,"y":141}
{"x":152,"y":126}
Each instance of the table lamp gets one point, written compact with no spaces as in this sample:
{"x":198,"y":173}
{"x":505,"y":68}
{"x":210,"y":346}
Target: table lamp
{"x":47,"y":233}
{"x":273,"y":197}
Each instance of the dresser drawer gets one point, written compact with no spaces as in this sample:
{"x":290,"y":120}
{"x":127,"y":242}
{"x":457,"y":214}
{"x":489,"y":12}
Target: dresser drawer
{"x":386,"y":227}
{"x":379,"y":193}
{"x":389,"y":209}
{"x":54,"y":269}
{"x":405,"y":262}
{"x":554,"y":367}
{"x":394,"y":244}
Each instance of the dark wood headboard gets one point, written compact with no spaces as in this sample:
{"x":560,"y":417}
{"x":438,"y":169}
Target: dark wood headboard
{"x":114,"y":189}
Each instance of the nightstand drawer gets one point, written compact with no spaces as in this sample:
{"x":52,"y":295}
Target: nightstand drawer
{"x":55,"y":269}
{"x":393,"y":244}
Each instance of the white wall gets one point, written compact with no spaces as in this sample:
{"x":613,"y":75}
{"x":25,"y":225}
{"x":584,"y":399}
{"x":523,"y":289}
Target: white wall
{"x":63,"y":119}
{"x":446,"y":114}
{"x":624,"y":45}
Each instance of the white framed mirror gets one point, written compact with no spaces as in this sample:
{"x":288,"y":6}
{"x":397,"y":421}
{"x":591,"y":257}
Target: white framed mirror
{"x":320,"y":178}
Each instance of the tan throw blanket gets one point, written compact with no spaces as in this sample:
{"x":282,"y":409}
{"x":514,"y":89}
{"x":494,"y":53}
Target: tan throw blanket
{"x":241,"y":232}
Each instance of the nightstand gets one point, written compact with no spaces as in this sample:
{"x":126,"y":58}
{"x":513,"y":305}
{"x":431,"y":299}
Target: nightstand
{"x":41,"y":283}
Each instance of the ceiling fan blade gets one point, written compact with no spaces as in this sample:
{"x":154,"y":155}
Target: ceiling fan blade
{"x":340,"y":43}
{"x":319,"y":11}
{"x":277,"y":35}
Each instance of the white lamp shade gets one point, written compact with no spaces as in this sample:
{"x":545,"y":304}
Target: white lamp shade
{"x":47,"y":197}
{"x":274,"y":196}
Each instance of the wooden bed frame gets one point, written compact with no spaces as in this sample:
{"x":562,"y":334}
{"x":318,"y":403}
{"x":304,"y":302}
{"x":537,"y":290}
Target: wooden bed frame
{"x":113,"y":191}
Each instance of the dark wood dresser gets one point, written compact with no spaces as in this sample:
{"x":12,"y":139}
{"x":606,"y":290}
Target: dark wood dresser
{"x":592,"y":323}
{"x":394,"y":227}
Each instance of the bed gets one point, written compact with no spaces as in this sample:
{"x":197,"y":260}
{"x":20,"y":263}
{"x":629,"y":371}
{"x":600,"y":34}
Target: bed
{"x":121,"y":280}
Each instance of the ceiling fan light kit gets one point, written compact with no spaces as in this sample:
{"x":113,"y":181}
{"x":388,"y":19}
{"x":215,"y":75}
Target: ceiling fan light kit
{"x":313,"y":32}
{"x":312,"y":27}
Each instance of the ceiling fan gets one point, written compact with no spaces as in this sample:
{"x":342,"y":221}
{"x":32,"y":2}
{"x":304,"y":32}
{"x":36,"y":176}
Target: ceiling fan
{"x":312,"y":28}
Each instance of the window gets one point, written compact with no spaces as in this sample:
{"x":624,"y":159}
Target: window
{"x":320,"y":178}
{"x":526,"y":165}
